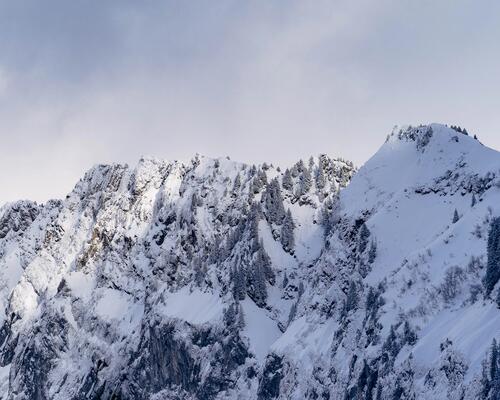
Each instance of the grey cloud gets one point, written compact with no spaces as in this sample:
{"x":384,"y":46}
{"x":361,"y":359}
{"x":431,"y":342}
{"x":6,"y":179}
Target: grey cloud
{"x":83,"y":82}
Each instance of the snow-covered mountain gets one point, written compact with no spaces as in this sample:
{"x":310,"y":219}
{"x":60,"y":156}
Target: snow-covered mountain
{"x":218,"y":280}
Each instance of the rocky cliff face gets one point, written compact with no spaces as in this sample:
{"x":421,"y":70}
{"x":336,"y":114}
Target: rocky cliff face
{"x":213,"y":279}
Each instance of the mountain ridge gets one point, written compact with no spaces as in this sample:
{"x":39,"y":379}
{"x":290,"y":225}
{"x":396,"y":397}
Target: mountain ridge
{"x":216,"y":279}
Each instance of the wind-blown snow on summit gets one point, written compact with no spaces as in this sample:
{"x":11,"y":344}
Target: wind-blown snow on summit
{"x":213,"y":279}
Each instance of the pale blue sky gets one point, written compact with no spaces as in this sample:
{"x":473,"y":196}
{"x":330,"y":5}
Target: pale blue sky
{"x":83,"y":82}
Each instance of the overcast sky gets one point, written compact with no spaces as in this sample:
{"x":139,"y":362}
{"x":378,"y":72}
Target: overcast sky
{"x":84,"y":82}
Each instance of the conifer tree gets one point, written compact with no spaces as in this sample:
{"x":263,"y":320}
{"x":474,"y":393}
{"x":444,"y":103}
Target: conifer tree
{"x":262,"y":258}
{"x":293,"y":312}
{"x":234,"y":279}
{"x":259,"y":181}
{"x":301,"y":289}
{"x":409,"y":336}
{"x":287,"y":181}
{"x":305,"y":182}
{"x":364,"y":234}
{"x":456,"y":217}
{"x":352,"y":297}
{"x":230,"y":315}
{"x":273,"y":202}
{"x":253,"y":221}
{"x":372,"y":253}
{"x":390,"y":345}
{"x":311,"y":162}
{"x":237,"y":184}
{"x":320,"y":177}
{"x":285,"y":280}
{"x":301,"y":166}
{"x":259,"y":291}
{"x":490,"y":380}
{"x":287,"y":232}
{"x":373,"y":302}
{"x":473,"y":201}
{"x":195,"y":202}
{"x":241,"y":318}
{"x":198,"y":272}
{"x":494,"y":360}
{"x":493,"y":252}
{"x":239,"y":287}
{"x":485,"y":380}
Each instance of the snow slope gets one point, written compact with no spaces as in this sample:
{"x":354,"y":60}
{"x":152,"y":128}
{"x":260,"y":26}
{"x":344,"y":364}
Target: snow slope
{"x":406,"y":195}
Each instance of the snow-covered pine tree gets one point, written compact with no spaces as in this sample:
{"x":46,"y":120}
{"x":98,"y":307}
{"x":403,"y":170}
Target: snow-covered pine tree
{"x":199,"y":273}
{"x":490,"y":380}
{"x":305,"y":182}
{"x":241,"y":318}
{"x":252,"y":171}
{"x":259,"y":181}
{"x":495,"y":388}
{"x":494,"y":360}
{"x":230,"y":315}
{"x":473,"y":201}
{"x":372,"y":253}
{"x":295,"y":170}
{"x":236,"y":184}
{"x":301,"y":289}
{"x":320,"y":176}
{"x":391,"y":345}
{"x":373,"y":302}
{"x":456,"y":217}
{"x":330,"y":214}
{"x":352,"y":297}
{"x":262,"y":258}
{"x":253,"y":221}
{"x":404,"y":385}
{"x":409,"y":335}
{"x":287,"y":232}
{"x":256,"y":287}
{"x":239,"y":289}
{"x":233,"y":278}
{"x":485,"y":381}
{"x":273,"y":202}
{"x":285,"y":280}
{"x":235,"y":236}
{"x":287,"y":181}
{"x":311,"y":162}
{"x":216,"y":252}
{"x":195,"y":202}
{"x":493,"y":252}
{"x":293,"y":312}
{"x":364,"y":234}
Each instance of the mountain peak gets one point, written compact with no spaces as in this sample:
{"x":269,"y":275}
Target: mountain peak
{"x":422,"y":134}
{"x":427,"y":156}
